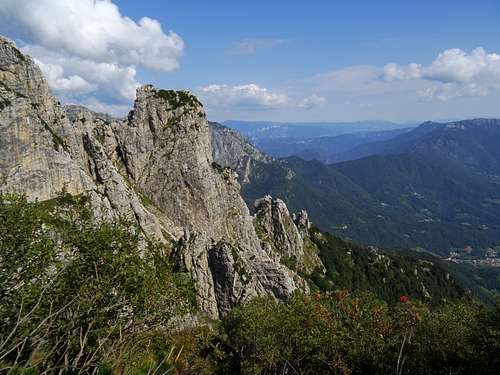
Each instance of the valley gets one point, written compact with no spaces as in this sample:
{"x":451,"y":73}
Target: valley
{"x":412,"y":195}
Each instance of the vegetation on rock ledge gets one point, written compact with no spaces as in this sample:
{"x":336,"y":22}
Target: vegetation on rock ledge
{"x":178,"y":98}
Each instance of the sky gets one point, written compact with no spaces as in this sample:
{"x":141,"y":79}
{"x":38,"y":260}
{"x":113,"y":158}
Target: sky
{"x":281,"y":60}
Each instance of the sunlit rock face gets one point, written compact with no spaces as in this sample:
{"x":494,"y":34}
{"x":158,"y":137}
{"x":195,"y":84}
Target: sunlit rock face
{"x":155,"y":167}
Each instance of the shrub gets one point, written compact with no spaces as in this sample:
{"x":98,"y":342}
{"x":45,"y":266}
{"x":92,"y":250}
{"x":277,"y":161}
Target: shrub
{"x":73,"y":293}
{"x":337,"y":333}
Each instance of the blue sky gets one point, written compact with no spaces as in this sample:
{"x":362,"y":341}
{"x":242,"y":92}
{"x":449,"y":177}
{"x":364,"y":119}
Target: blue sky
{"x":274,"y":60}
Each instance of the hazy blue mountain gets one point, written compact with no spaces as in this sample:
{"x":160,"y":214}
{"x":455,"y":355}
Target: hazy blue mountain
{"x":327,"y":149}
{"x":258,"y":130}
{"x":433,"y":187}
{"x":473,"y":143}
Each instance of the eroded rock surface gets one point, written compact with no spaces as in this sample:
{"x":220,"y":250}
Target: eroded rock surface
{"x":285,"y":237}
{"x":155,"y":167}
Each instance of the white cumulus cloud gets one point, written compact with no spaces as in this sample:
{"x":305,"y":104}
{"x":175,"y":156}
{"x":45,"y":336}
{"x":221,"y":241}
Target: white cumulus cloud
{"x":59,"y":82}
{"x":456,"y":73}
{"x":117,"y":110}
{"x":249,"y":96}
{"x":394,"y":72}
{"x":455,"y":65}
{"x":451,"y":90}
{"x":94,"y":30}
{"x":87,"y":49}
{"x":71,"y":75}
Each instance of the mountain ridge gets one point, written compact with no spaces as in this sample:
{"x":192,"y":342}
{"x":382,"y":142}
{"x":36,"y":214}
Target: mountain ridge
{"x":159,"y":168}
{"x":255,"y":130}
{"x":341,"y":199}
{"x":399,"y":201}
{"x":154,"y":167}
{"x":432,"y":136}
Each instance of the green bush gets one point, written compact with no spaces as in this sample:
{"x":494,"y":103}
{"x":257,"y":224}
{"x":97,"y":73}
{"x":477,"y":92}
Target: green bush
{"x":74,"y":294}
{"x":341,"y":334}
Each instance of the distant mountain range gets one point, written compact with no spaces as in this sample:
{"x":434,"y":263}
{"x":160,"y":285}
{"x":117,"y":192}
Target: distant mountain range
{"x":434,"y":187}
{"x":328,"y":149}
{"x":327,"y":142}
{"x":255,"y":131}
{"x":475,"y":144}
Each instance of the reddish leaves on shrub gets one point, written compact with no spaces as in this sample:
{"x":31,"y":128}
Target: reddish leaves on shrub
{"x":404,"y":299}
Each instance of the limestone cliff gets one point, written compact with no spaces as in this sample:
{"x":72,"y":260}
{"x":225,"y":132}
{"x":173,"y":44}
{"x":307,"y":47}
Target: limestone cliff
{"x":231,"y":150}
{"x":154,"y":167}
{"x":35,"y":157}
{"x":285,"y":237}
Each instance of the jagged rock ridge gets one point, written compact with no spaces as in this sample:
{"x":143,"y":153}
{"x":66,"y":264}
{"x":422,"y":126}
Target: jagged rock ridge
{"x":154,"y":167}
{"x":286,"y":237}
{"x":231,"y":150}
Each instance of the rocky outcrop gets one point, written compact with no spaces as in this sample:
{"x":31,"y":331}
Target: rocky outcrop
{"x":231,"y":150}
{"x":165,"y":149}
{"x":284,"y":237}
{"x":155,"y":167}
{"x":43,"y":153}
{"x":302,"y":222}
{"x":35,"y":157}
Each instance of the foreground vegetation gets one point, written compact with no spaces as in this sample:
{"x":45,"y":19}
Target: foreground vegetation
{"x":76,"y":297}
{"x":337,"y":333}
{"x":73,"y":293}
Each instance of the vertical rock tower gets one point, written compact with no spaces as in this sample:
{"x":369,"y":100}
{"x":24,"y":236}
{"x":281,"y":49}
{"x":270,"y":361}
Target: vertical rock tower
{"x":154,"y":167}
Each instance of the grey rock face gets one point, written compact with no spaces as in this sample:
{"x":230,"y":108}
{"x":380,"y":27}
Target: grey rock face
{"x":273,"y":219}
{"x":231,"y":150}
{"x":229,"y":147}
{"x":230,"y":276}
{"x":302,"y":222}
{"x":34,"y":155}
{"x":43,"y":153}
{"x":166,"y":151}
{"x":154,"y":167}
{"x":285,"y":238}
